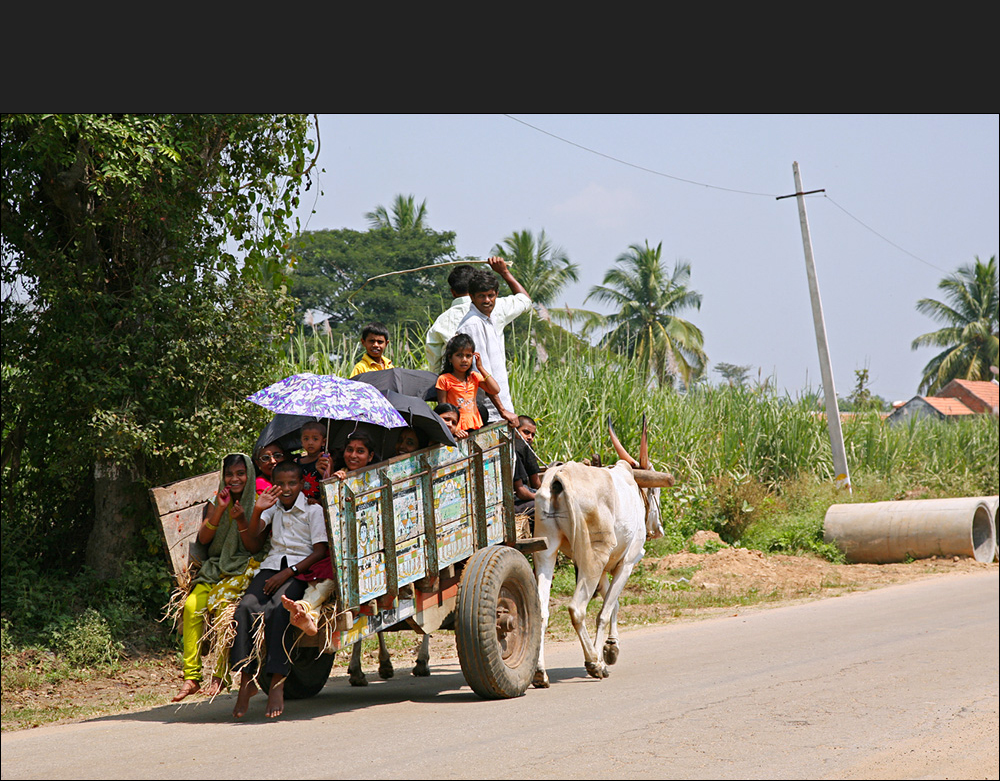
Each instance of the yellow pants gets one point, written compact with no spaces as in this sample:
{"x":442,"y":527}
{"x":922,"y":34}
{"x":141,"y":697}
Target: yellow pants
{"x":193,"y":629}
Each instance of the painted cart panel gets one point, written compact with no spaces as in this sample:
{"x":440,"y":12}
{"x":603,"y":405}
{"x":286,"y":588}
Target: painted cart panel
{"x":406,"y":519}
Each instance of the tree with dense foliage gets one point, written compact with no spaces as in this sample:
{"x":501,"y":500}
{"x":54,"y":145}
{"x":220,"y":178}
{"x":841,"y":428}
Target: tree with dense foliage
{"x":132,"y":332}
{"x":647,"y":299}
{"x":405,"y":215}
{"x":969,"y":337}
{"x":334,"y":267}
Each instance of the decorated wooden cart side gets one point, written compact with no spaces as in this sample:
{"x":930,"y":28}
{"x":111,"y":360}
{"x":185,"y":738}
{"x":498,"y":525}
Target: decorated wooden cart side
{"x":426,"y":540}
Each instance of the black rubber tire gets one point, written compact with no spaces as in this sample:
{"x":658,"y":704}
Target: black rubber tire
{"x":310,"y":671}
{"x":498,"y":586}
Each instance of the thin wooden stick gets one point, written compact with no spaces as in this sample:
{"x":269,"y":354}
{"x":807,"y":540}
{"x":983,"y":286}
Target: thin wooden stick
{"x":409,"y":270}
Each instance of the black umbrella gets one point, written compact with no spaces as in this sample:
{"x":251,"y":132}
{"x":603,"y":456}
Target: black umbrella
{"x":283,"y":429}
{"x":286,"y":429}
{"x":421,"y":417}
{"x":409,"y":382}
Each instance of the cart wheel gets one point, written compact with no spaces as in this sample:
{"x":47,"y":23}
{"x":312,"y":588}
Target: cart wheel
{"x":498,"y":623}
{"x":309,"y":673}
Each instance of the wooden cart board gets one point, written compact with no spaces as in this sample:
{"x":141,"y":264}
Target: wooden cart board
{"x":427,"y":539}
{"x":400,"y":521}
{"x":179,"y":507}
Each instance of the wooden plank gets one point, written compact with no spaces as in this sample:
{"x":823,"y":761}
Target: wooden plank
{"x":185,"y":493}
{"x":480,"y":537}
{"x":180,"y":530}
{"x":180,"y":507}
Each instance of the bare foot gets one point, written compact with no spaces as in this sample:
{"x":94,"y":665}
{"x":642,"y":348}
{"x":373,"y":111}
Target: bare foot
{"x":299,"y":616}
{"x":276,"y":696}
{"x":214,"y":687}
{"x":247,"y":690}
{"x":189,"y":687}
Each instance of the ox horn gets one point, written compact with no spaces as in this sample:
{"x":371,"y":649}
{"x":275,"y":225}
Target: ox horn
{"x":619,"y":447}
{"x":649,"y":478}
{"x":644,"y":445}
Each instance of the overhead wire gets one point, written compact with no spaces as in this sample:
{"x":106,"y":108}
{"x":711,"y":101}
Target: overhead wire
{"x":634,"y":165}
{"x":715,"y":187}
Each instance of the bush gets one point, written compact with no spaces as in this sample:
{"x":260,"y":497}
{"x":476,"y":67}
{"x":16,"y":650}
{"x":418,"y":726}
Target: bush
{"x":86,"y":641}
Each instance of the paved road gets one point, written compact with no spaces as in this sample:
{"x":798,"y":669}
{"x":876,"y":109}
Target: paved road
{"x":896,"y":683}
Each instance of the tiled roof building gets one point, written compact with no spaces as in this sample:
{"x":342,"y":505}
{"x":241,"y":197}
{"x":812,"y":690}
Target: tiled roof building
{"x":957,"y":398}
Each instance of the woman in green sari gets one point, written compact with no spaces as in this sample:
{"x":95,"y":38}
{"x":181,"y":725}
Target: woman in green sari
{"x":228,"y":568}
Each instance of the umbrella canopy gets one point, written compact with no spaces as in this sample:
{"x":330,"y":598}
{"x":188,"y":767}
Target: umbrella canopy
{"x":419,"y":416}
{"x":326,"y":396}
{"x":410,"y":382}
{"x":304,"y":397}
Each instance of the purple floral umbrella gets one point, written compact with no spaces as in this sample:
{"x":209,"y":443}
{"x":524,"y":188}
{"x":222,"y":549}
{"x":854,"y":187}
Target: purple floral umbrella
{"x":327,"y":396}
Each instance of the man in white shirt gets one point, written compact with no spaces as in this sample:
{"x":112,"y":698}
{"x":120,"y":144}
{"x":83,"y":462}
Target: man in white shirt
{"x":485,"y":322}
{"x":447,"y":322}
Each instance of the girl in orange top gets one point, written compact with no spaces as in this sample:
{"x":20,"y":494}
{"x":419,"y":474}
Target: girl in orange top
{"x":457,"y":383}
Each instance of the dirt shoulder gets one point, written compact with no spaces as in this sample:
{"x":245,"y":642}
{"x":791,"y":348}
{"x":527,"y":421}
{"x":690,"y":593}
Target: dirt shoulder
{"x":678,"y":587}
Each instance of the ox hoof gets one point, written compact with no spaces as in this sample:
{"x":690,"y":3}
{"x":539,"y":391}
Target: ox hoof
{"x":358,"y":680}
{"x":610,"y":652}
{"x":385,"y":671}
{"x":597,"y":670}
{"x":540,"y":680}
{"x":421,"y":669}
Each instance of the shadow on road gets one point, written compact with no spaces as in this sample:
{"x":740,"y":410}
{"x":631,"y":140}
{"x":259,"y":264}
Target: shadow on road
{"x":445,"y":684}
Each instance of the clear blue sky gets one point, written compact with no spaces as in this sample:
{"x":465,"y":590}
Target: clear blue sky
{"x":909,"y":198}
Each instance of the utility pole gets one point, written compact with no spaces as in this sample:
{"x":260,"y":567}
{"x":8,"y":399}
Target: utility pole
{"x":825,"y":367}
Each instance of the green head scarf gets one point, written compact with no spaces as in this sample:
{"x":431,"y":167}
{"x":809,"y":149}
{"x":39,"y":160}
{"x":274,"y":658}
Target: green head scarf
{"x":227,"y":555}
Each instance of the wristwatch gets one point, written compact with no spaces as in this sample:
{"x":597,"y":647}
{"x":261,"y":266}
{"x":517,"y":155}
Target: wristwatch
{"x":294,"y":569}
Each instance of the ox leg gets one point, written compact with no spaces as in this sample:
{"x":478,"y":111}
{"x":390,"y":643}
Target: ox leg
{"x":586,"y":585}
{"x":545,"y":567}
{"x":385,"y":670}
{"x":355,"y":675}
{"x":422,"y":667}
{"x":609,"y":611}
{"x":610,"y":650}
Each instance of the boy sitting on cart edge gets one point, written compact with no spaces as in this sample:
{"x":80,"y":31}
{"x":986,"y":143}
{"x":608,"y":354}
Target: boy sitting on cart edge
{"x":298,"y":540}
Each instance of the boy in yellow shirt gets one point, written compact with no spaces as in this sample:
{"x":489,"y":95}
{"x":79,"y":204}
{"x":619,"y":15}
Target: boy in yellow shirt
{"x":375,"y":339}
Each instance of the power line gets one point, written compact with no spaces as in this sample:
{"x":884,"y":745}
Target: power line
{"x":634,"y":165}
{"x":716,"y":187}
{"x":887,"y":241}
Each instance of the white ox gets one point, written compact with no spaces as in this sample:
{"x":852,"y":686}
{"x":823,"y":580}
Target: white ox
{"x":600,"y":518}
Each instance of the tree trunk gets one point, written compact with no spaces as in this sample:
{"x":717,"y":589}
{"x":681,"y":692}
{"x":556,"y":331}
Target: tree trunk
{"x":118,"y":499}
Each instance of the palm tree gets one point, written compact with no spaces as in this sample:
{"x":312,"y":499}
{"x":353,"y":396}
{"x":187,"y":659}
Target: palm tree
{"x":544,"y":270}
{"x":406,"y":215}
{"x":970,"y":337}
{"x":646,"y":324}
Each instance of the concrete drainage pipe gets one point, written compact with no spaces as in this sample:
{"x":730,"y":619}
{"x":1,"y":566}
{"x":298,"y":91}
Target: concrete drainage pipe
{"x":883,"y":532}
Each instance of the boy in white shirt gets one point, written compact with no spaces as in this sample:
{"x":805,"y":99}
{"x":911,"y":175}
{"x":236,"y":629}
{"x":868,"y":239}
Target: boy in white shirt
{"x":298,"y":540}
{"x":485,"y":322}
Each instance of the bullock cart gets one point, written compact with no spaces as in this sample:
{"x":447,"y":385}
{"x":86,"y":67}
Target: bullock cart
{"x":425,"y":541}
